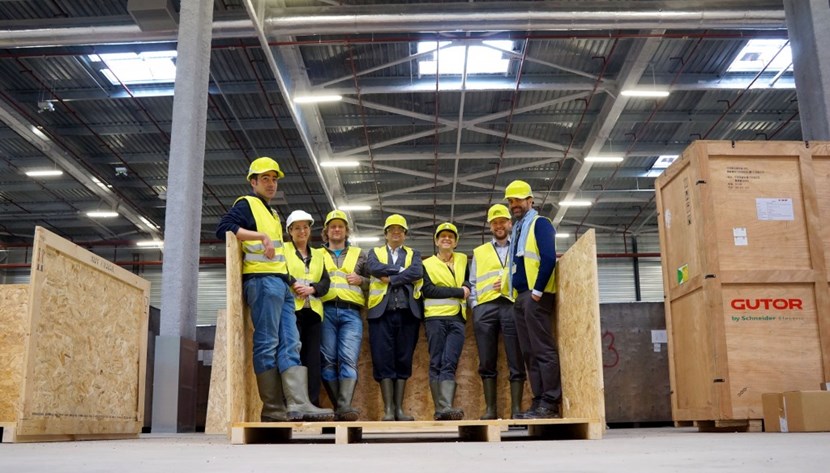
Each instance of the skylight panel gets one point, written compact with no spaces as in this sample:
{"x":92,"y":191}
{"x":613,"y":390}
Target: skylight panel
{"x":152,"y":67}
{"x":450,"y":60}
{"x":759,"y":52}
{"x":663,"y":162}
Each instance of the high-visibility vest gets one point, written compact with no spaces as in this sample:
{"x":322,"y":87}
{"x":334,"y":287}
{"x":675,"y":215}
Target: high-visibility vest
{"x":378,"y":288}
{"x":440,"y":275}
{"x":340,"y":287}
{"x":490,"y":269}
{"x":268,"y":222}
{"x":533,"y":261}
{"x":306,"y":275}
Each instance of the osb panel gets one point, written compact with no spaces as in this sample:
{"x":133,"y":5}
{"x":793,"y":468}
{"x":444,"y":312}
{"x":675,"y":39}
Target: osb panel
{"x":773,"y":242}
{"x":217,"y":408}
{"x":238,"y":340}
{"x":821,"y":168}
{"x":690,"y":344}
{"x":14,"y":304}
{"x":578,"y":331}
{"x":87,"y":344}
{"x":772,"y":342}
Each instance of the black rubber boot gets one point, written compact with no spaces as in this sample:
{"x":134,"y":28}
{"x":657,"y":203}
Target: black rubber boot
{"x":448,"y":395}
{"x":490,"y":411}
{"x":400,"y":389}
{"x":345,"y":411}
{"x":270,"y":391}
{"x":440,"y":407}
{"x":333,"y":390}
{"x":295,"y":385}
{"x":387,"y":391}
{"x":517,"y":389}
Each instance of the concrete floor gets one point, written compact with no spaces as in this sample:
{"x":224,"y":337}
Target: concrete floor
{"x":627,"y":450}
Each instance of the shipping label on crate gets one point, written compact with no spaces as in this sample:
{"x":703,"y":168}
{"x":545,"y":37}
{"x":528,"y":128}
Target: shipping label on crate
{"x":740,"y":177}
{"x":774,"y":209}
{"x":739,"y":234}
{"x":682,"y":274}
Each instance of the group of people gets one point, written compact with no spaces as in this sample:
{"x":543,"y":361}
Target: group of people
{"x":306,"y":306}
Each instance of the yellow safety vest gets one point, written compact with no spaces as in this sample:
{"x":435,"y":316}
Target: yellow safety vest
{"x":306,"y":275}
{"x":440,"y":275}
{"x":340,"y":287}
{"x":489,"y":269}
{"x":268,"y":222}
{"x":533,"y":261}
{"x":378,"y":288}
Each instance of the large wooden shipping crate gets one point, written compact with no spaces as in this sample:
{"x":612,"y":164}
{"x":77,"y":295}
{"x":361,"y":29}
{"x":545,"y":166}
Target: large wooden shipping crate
{"x":578,"y":329}
{"x":73,"y":346}
{"x":744,"y":236}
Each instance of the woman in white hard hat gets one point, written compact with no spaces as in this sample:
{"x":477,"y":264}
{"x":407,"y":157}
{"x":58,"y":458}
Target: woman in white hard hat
{"x":310,"y":282}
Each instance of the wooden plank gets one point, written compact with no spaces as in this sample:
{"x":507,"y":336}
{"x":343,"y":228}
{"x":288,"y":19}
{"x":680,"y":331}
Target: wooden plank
{"x":217,"y":409}
{"x":818,"y":183}
{"x":344,"y":434}
{"x":578,"y":331}
{"x":14,"y":303}
{"x":85,"y":355}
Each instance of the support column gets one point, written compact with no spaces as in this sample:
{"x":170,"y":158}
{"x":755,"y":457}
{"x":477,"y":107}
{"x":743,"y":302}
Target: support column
{"x":807,"y":23}
{"x":182,"y":224}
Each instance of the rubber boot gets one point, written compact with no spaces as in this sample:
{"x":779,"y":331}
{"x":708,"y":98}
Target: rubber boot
{"x":387,"y":391}
{"x":333,"y":390}
{"x":440,"y":407}
{"x":448,"y":395}
{"x":345,"y":411}
{"x":295,"y":385}
{"x":490,"y":411}
{"x":270,"y":391}
{"x":400,"y":388}
{"x":517,"y":388}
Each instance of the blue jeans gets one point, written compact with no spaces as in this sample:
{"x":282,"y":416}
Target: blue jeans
{"x":340,"y":345}
{"x":276,"y":340}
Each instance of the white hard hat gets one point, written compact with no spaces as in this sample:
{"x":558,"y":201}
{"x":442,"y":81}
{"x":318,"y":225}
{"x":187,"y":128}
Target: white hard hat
{"x":299,"y":215}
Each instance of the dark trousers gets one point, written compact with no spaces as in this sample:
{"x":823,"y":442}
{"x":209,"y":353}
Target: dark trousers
{"x":309,"y":326}
{"x":534,"y":322}
{"x":392,"y":340}
{"x":445,"y":339}
{"x":489,"y":319}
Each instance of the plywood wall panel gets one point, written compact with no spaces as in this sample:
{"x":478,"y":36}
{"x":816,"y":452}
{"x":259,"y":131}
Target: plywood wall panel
{"x":14,"y":303}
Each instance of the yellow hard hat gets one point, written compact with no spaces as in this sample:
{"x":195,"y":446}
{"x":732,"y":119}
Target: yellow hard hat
{"x":395,"y":219}
{"x":517,"y":190}
{"x":446,"y":226}
{"x":337,"y":214}
{"x":497,"y":211}
{"x":261,"y":165}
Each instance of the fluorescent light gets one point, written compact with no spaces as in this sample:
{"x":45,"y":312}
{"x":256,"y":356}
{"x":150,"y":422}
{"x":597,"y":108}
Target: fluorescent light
{"x":102,"y":214}
{"x":604,"y":159}
{"x":563,"y":235}
{"x":575,"y":203}
{"x":317,"y":98}
{"x":355,"y":207}
{"x":364,"y":239}
{"x":150,"y":244}
{"x":644,"y":93}
{"x":39,"y":133}
{"x":339,"y":164}
{"x":147,"y":222}
{"x":44,"y":173}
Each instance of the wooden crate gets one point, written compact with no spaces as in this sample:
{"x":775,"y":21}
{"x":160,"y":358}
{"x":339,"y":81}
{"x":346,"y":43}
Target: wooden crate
{"x":743,"y":234}
{"x":72,"y":347}
{"x":579,"y":344}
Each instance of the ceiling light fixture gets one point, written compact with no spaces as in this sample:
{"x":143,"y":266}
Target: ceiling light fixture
{"x":575,"y":203}
{"x":44,"y":173}
{"x":563,"y":235}
{"x":359,"y":207}
{"x":150,"y":244}
{"x":603,"y":159}
{"x":339,"y":164}
{"x":364,"y":239}
{"x":317,"y":98}
{"x":102,"y":214}
{"x":645,"y":93}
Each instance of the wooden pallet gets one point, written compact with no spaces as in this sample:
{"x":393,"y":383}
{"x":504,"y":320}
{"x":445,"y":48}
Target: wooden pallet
{"x":730,"y":425}
{"x":8,"y":434}
{"x":467,"y":430}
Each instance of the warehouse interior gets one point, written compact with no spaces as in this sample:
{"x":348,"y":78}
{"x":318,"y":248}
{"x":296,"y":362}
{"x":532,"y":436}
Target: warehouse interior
{"x":422,"y":108}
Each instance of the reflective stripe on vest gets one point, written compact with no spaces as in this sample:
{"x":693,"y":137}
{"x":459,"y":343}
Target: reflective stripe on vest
{"x":440,"y":275}
{"x":268,"y":222}
{"x":378,"y":288}
{"x":306,"y":275}
{"x":489,"y":269}
{"x":340,"y":287}
{"x":532,"y":261}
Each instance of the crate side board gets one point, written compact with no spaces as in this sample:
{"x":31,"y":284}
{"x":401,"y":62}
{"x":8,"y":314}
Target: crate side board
{"x":14,"y":303}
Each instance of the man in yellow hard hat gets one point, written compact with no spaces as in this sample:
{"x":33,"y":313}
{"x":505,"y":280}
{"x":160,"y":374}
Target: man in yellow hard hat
{"x":446,"y":287}
{"x":394,"y":313}
{"x":493,"y":313}
{"x":342,"y":325}
{"x":532,"y":259}
{"x":265,"y":286}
